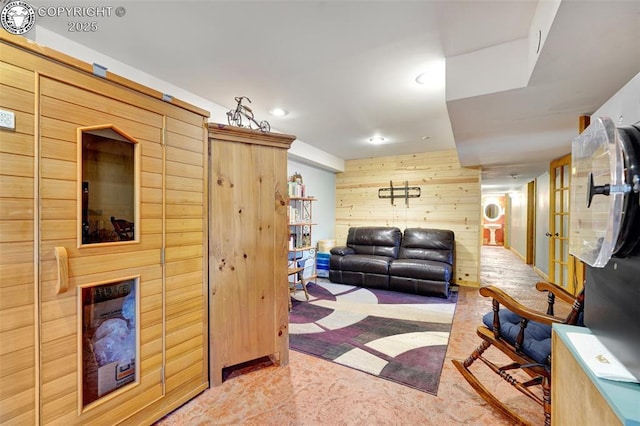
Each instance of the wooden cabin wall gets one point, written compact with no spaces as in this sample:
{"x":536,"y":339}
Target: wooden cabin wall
{"x":17,"y":255}
{"x":38,"y":202}
{"x":450,"y":199}
{"x":186,"y":248}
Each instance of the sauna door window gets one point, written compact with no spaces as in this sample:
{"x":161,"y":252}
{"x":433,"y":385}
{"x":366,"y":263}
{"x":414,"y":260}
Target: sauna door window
{"x":108,"y":186}
{"x":109,"y":341}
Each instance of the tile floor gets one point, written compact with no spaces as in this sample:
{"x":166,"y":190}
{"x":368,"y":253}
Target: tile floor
{"x":310,"y":391}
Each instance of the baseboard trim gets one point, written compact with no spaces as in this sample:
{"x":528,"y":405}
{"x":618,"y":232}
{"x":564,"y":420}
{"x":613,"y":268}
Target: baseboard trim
{"x":544,"y":276}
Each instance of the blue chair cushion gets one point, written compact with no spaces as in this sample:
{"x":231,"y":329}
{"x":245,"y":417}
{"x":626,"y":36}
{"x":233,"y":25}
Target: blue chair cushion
{"x":537,"y":336}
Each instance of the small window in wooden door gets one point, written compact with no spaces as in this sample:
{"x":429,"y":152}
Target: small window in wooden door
{"x":108,"y":206}
{"x":108,"y":338}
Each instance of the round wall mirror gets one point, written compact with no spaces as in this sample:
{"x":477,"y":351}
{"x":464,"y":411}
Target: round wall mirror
{"x":492,"y":211}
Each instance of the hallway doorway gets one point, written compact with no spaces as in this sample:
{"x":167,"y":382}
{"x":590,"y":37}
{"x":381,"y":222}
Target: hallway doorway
{"x":502,"y":268}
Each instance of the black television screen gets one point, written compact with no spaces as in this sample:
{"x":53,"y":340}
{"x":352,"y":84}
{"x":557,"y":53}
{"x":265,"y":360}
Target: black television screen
{"x":612,"y":309}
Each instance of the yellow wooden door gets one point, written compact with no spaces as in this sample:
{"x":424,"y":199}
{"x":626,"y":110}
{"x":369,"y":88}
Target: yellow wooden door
{"x":564,"y":269}
{"x":560,"y":271}
{"x":101,"y":294}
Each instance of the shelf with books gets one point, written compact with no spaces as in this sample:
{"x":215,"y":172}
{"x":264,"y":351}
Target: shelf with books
{"x":301,"y":250}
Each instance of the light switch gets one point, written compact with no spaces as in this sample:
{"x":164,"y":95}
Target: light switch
{"x":7,"y":120}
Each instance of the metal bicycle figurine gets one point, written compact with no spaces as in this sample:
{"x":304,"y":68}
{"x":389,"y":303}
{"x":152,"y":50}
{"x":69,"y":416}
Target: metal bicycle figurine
{"x":234,"y":117}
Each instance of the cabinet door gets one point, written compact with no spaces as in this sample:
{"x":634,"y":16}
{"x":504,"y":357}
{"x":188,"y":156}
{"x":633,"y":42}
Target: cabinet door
{"x":101,"y":305}
{"x":248,"y":234}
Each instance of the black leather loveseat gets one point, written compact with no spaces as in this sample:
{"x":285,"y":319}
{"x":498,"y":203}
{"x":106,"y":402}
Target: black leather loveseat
{"x":420,"y":261}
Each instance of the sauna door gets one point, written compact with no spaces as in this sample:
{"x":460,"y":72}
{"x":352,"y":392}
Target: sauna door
{"x":100,"y":272}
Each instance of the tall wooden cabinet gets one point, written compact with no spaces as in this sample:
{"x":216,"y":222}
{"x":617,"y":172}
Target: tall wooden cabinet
{"x":248,"y":231}
{"x":86,"y":148}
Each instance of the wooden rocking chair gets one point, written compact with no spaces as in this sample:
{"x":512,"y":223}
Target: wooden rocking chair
{"x":123,"y":228}
{"x":524,"y":335}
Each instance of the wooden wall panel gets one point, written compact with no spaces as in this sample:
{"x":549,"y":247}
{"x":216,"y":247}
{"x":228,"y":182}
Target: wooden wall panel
{"x":185,"y":267}
{"x":18,"y":391}
{"x":450,"y":199}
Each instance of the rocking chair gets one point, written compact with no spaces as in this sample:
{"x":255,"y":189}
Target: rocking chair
{"x":123,"y":228}
{"x":525,"y":336}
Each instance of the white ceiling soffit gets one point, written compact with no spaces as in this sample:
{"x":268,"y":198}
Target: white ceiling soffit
{"x":503,"y":66}
{"x":589,"y":52}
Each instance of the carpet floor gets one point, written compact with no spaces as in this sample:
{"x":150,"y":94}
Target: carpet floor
{"x":395,"y":336}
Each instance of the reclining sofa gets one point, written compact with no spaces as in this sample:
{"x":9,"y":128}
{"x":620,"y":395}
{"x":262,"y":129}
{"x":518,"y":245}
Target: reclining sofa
{"x":419,"y":262}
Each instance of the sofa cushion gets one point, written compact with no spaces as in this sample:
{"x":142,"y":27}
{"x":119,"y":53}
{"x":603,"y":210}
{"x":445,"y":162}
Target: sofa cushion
{"x":421,"y":269}
{"x":361,"y":263}
{"x":375,"y":240}
{"x":428,"y":244}
{"x":417,"y":286}
{"x":360,"y":279}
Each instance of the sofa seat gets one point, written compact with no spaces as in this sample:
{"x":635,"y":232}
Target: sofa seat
{"x":362,"y":263}
{"x":421,"y":269}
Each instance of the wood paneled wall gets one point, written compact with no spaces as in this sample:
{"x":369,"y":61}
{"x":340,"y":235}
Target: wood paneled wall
{"x":17,"y":254}
{"x":450,"y":199}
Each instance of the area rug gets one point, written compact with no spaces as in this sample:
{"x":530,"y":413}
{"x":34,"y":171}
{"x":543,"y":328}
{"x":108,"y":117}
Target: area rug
{"x":395,"y":336}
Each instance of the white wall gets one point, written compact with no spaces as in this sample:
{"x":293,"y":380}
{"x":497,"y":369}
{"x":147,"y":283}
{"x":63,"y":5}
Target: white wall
{"x":518,"y":228}
{"x":623,"y":107}
{"x":322,"y":185}
{"x":541,"y":261}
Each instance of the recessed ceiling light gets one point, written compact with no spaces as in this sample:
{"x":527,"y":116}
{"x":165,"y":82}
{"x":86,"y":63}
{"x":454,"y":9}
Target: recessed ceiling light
{"x":279,"y":112}
{"x":424,"y":138}
{"x":376,"y":140}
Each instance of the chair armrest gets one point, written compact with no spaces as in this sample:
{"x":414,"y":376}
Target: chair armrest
{"x":516,"y":307}
{"x":559,"y":292}
{"x":342,"y":250}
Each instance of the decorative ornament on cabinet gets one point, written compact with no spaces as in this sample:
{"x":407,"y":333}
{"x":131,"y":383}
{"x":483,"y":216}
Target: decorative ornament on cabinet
{"x":235,"y":116}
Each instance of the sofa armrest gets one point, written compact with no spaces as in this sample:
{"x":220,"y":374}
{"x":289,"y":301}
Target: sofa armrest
{"x":342,"y":250}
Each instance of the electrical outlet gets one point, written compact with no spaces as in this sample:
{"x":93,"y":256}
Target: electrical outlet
{"x":7,"y":120}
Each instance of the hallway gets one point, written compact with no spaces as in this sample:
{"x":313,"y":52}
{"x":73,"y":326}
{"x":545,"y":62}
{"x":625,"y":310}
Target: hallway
{"x":310,"y":391}
{"x":506,"y":270}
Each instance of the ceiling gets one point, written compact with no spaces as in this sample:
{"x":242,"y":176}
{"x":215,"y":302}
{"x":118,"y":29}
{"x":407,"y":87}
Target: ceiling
{"x":345,"y":70}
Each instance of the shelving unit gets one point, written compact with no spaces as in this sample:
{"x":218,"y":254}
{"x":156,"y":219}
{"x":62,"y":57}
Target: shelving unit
{"x":301,"y":252}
